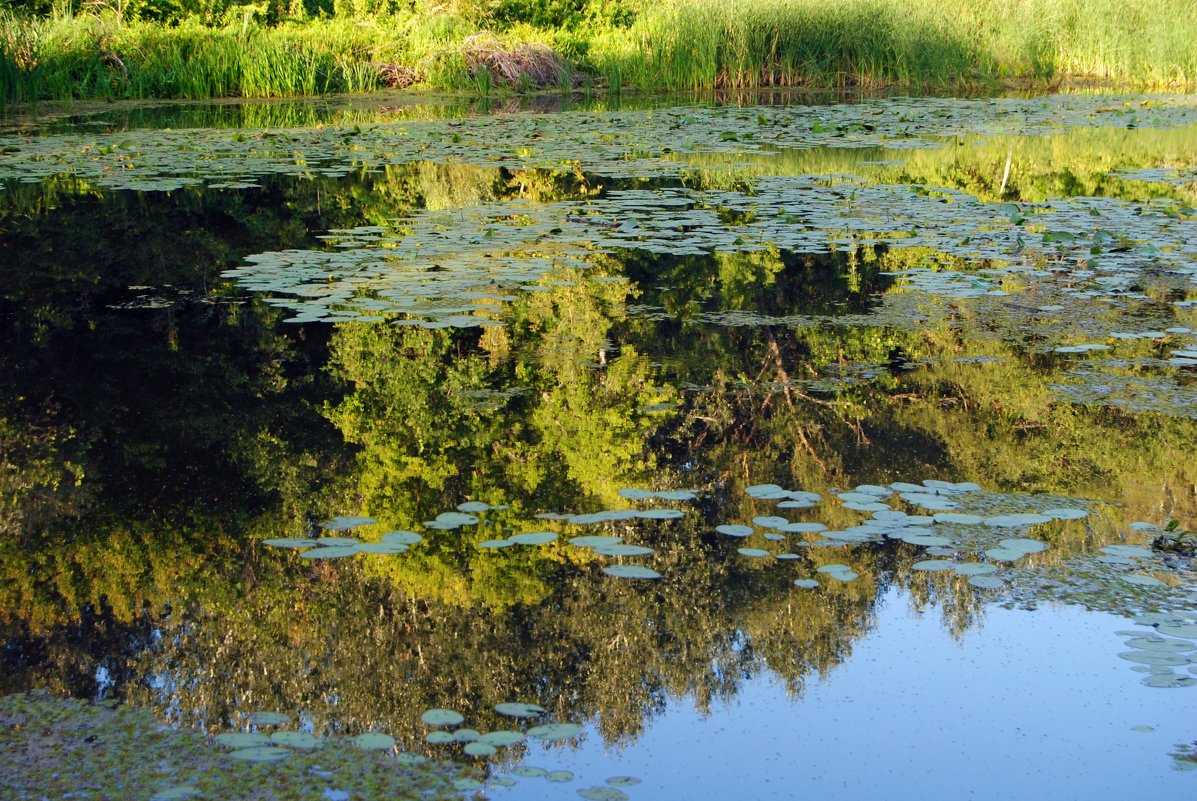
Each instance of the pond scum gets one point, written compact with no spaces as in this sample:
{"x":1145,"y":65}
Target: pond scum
{"x":267,"y":50}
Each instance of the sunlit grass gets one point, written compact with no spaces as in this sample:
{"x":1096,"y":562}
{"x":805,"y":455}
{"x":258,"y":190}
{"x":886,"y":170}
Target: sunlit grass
{"x":674,"y":45}
{"x":704,"y":44}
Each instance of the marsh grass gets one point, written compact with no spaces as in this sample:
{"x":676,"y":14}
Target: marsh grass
{"x":671,"y":45}
{"x":687,"y":45}
{"x":97,"y":56}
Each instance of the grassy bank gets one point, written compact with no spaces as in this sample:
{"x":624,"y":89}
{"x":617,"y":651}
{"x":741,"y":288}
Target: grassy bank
{"x":683,"y":45}
{"x":702,"y":44}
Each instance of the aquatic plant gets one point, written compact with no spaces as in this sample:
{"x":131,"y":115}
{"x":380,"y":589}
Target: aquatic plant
{"x":683,"y":45}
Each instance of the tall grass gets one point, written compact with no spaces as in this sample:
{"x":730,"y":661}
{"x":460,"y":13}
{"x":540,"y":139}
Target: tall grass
{"x":98,"y":56}
{"x":684,"y":45}
{"x":672,"y":45}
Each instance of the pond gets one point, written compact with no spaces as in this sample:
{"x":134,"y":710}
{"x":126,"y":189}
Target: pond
{"x":766,"y":448}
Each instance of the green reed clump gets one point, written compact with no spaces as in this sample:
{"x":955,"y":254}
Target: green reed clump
{"x":101,"y":56}
{"x":704,"y":44}
{"x":666,"y":45}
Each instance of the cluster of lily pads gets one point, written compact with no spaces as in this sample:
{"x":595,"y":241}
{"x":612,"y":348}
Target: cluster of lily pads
{"x":487,"y":744}
{"x":634,"y":143}
{"x":944,"y":533}
{"x":339,"y":547}
{"x":1163,"y":651}
{"x":969,"y":532}
{"x":256,"y":745}
{"x":484,"y":255}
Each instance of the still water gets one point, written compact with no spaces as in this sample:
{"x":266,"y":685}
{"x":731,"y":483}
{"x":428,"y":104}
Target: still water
{"x":765,"y":449}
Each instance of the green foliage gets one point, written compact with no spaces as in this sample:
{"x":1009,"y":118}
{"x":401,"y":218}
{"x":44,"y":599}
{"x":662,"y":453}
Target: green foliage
{"x":541,"y":13}
{"x":284,"y":47}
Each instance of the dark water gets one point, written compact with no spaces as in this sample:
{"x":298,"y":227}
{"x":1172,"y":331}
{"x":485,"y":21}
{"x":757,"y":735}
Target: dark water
{"x":215,"y":336}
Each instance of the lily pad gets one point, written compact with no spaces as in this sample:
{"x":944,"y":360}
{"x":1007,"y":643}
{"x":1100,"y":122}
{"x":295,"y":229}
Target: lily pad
{"x":480,"y":749}
{"x":347,"y":523}
{"x":1136,"y":551}
{"x":1175,"y":628}
{"x":502,"y":738}
{"x":603,"y":794}
{"x":442,"y":717}
{"x":533,"y":538}
{"x":803,"y":528}
{"x":986,"y":582}
{"x":1169,"y":680}
{"x":755,"y":553}
{"x":549,"y":732}
{"x":622,"y":549}
{"x":374,"y":741}
{"x":1154,"y":658}
{"x":806,"y":584}
{"x":1017,"y":520}
{"x":267,"y":719}
{"x":529,"y":771}
{"x":1023,"y":545}
{"x":242,"y":739}
{"x":297,"y":739}
{"x":1143,"y":581}
{"x":734,"y":530}
{"x":333,"y":552}
{"x":631,"y":571}
{"x":382,"y":548}
{"x":559,"y":776}
{"x":958,"y":518}
{"x":933,"y":565}
{"x":1166,"y":645}
{"x":402,"y":537}
{"x":660,"y":514}
{"x":1004,"y":554}
{"x":519,"y":709}
{"x":291,"y":542}
{"x":260,"y":753}
{"x":974,"y":568}
{"x":926,"y":540}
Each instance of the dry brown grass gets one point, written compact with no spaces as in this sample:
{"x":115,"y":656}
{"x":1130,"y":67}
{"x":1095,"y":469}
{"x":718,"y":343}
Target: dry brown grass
{"x":513,"y":63}
{"x":397,"y":76}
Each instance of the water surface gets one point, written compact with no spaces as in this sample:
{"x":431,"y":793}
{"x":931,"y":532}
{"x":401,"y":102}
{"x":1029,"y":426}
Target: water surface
{"x":928,"y":358}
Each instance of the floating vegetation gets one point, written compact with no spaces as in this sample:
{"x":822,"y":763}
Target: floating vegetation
{"x":260,"y":753}
{"x":374,"y":741}
{"x":631,"y":571}
{"x":551,"y":732}
{"x":98,"y":747}
{"x":533,"y":538}
{"x":442,"y":717}
{"x":583,"y":312}
{"x":517,"y":709}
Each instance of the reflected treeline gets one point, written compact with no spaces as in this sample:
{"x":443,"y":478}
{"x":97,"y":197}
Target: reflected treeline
{"x":157,"y":424}
{"x":358,"y":652}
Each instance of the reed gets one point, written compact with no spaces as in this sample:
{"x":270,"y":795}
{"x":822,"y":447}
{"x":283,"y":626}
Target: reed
{"x":669,"y":45}
{"x":689,"y":45}
{"x":99,"y":56}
